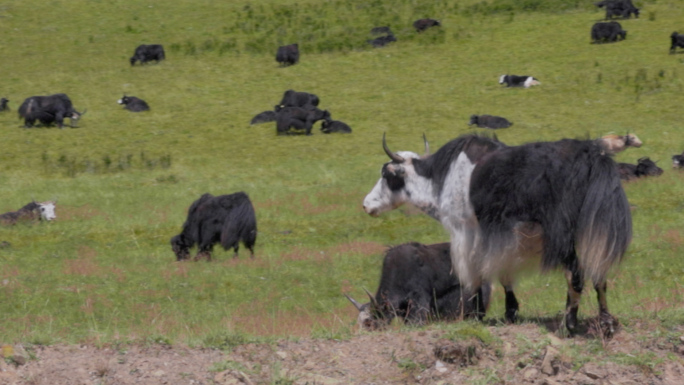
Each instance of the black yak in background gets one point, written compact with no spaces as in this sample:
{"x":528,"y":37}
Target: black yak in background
{"x":148,"y":52}
{"x":133,"y":104}
{"x":48,"y":110}
{"x":288,"y":55}
{"x":224,"y":219}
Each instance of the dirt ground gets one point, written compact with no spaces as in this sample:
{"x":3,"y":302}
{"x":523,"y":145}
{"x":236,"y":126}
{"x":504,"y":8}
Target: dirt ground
{"x":517,"y":354}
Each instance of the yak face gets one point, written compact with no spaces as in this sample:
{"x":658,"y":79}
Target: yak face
{"x":390,"y":191}
{"x":47,"y":211}
{"x":647,"y":167}
{"x":369,"y":317}
{"x":180,"y":248}
{"x":678,"y":161}
{"x":124,"y":100}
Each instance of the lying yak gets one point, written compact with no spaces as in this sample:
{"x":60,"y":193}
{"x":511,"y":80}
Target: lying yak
{"x":678,"y":161}
{"x":644,"y":167}
{"x":48,"y":109}
{"x":422,"y":24}
{"x":133,"y":104}
{"x":330,"y":126}
{"x":3,"y":104}
{"x":418,"y":285}
{"x":227,"y":219}
{"x":489,"y":121}
{"x":518,"y":81}
{"x":34,"y":211}
{"x":287,"y":55}
{"x":382,"y":41}
{"x":298,"y":118}
{"x":612,"y":144}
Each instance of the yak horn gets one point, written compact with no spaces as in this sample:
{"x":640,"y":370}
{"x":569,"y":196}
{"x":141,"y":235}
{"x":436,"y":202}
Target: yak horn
{"x":395,"y":158}
{"x":427,"y":145}
{"x":83,"y":113}
{"x":356,"y":304}
{"x":372,"y":299}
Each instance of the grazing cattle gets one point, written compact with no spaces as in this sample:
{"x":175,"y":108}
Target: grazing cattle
{"x":43,"y":211}
{"x":677,"y":41}
{"x":48,"y":109}
{"x":131,"y":103}
{"x":299,"y":119}
{"x":330,"y":126}
{"x":382,"y":41}
{"x":607,"y":32}
{"x":3,"y":104}
{"x":644,"y":167}
{"x":293,"y":98}
{"x":417,"y":285}
{"x":226,"y":219}
{"x":381,"y":30}
{"x":148,"y":52}
{"x":422,"y":24}
{"x":613,"y":144}
{"x":505,"y":207}
{"x":619,"y":8}
{"x":678,"y":161}
{"x":518,"y":81}
{"x":288,"y":54}
{"x":263,"y":117}
{"x":489,"y":121}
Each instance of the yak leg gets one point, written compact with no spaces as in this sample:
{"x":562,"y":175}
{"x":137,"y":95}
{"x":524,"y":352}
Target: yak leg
{"x":575,"y":286}
{"x":607,"y":321}
{"x":417,"y":311}
{"x":59,"y":118}
{"x":511,"y":313}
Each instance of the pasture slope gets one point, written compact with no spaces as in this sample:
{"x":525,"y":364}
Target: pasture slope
{"x":102,"y":276}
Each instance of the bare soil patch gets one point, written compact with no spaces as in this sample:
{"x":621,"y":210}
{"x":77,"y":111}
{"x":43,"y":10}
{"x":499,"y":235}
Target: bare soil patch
{"x":516,"y":354}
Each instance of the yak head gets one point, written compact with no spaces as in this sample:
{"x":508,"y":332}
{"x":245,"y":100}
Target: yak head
{"x":370,"y":317}
{"x":647,"y":167}
{"x":473,"y":120}
{"x":180,"y":248}
{"x":47,"y":210}
{"x":678,"y":161}
{"x":399,"y":183}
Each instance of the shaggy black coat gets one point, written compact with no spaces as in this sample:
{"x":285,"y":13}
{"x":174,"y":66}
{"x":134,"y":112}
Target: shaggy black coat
{"x":619,"y":8}
{"x":148,"y":52}
{"x":263,"y":117}
{"x":607,"y":32}
{"x":47,"y":109}
{"x":677,"y":40}
{"x":644,"y":167}
{"x":224,"y":219}
{"x":382,"y":41}
{"x":3,"y":104}
{"x":288,"y":54}
{"x":292,"y":98}
{"x":417,"y":284}
{"x":299,"y":119}
{"x":422,"y":24}
{"x":489,"y":121}
{"x":30,"y":212}
{"x":331,"y":126}
{"x":133,"y":104}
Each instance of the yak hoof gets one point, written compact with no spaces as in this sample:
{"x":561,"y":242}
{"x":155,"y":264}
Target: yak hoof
{"x":511,"y":316}
{"x":609,"y":325}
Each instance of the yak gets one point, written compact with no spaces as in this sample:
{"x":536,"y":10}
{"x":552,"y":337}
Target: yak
{"x":3,"y":104}
{"x":382,"y":40}
{"x":644,"y":167}
{"x":678,"y":160}
{"x":518,"y":81}
{"x":619,"y":8}
{"x":557,"y":204}
{"x":299,"y":119}
{"x":288,"y":55}
{"x":133,"y":104}
{"x":226,"y":219}
{"x":607,"y":32}
{"x":48,"y":109}
{"x":44,"y":211}
{"x":292,"y":98}
{"x":330,"y":126}
{"x":148,"y":52}
{"x":677,"y":40}
{"x":422,"y":24}
{"x":417,"y":285}
{"x":489,"y":121}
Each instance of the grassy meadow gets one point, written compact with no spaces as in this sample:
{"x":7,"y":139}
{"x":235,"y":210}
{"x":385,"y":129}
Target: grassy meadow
{"x":104,"y":270}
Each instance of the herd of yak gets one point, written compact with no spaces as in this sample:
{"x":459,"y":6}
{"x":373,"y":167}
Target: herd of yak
{"x":480,"y":189}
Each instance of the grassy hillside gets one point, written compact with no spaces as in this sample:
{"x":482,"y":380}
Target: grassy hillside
{"x":104,"y":271}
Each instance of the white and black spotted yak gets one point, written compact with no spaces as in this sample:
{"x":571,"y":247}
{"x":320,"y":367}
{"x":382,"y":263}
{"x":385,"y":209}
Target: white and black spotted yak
{"x":417,"y":285}
{"x":48,"y":109}
{"x":518,"y":81}
{"x":224,"y":219}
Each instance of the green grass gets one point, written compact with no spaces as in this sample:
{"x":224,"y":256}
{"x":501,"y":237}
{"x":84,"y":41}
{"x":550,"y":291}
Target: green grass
{"x":104,"y":271}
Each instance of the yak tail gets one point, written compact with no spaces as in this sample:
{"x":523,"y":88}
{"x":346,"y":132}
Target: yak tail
{"x":604,"y":225}
{"x":240,"y":225}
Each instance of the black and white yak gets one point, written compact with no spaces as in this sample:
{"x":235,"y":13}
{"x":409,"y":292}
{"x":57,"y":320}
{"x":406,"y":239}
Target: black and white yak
{"x":644,"y":167}
{"x":676,"y":40}
{"x":506,"y":207}
{"x":618,"y":8}
{"x":518,"y":81}
{"x":148,"y":52}
{"x":298,"y":118}
{"x":3,"y":104}
{"x":422,"y":24}
{"x":330,"y":126}
{"x":607,"y":32}
{"x":48,"y":109}
{"x":416,"y":284}
{"x":224,"y":219}
{"x":489,"y":121}
{"x":678,"y":161}
{"x":34,"y":211}
{"x":288,"y":55}
{"x":292,"y":98}
{"x":133,"y":104}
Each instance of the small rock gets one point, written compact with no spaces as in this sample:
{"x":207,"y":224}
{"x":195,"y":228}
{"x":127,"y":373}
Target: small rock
{"x":547,"y":366}
{"x":19,"y":356}
{"x":281,"y":354}
{"x":309,"y":365}
{"x":440,"y":367}
{"x":530,"y":374}
{"x":594,"y":374}
{"x":158,"y":373}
